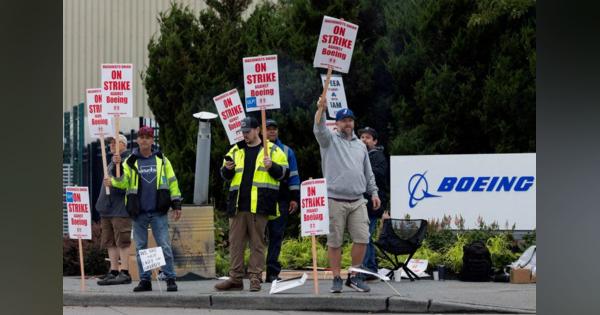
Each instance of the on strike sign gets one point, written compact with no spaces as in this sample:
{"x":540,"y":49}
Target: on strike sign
{"x":314,"y":207}
{"x":336,"y":96}
{"x":152,"y":258}
{"x":261,"y":82}
{"x":117,"y":89}
{"x":100,"y":124}
{"x":78,"y":212}
{"x":336,"y":44}
{"x":231,"y":112}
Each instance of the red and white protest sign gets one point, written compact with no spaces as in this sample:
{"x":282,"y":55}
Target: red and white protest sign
{"x":314,"y":211}
{"x":231,"y":112}
{"x":78,"y":212}
{"x":336,"y":96}
{"x":117,"y":89}
{"x":99,"y":122}
{"x":261,"y":82}
{"x":336,"y":44}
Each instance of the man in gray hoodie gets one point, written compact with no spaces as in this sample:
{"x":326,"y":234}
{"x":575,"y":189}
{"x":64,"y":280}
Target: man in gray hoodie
{"x":347,"y":169}
{"x":115,"y":222}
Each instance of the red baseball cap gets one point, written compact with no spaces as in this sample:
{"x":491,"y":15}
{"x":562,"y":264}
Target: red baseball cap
{"x":145,"y":131}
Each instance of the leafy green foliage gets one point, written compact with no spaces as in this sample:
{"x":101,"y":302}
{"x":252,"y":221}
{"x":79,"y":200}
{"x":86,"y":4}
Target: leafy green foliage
{"x":433,"y":77}
{"x":93,"y":253}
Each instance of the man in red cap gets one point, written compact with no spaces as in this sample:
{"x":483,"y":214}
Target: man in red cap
{"x":151,"y":190}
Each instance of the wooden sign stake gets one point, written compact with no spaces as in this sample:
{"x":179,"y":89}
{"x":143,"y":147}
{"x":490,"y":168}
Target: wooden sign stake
{"x":104,"y":167}
{"x":325,"y":88}
{"x":81,"y":265}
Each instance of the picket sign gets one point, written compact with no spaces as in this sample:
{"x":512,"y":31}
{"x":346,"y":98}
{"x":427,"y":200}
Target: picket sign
{"x":117,"y":95}
{"x":314,"y":213}
{"x":79,"y":220}
{"x":334,"y":51}
{"x":99,"y":123}
{"x":231,"y":111}
{"x":336,"y":96}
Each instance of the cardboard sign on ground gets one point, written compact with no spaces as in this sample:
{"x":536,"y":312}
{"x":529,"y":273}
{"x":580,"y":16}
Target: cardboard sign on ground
{"x":79,"y":212}
{"x":336,"y":96}
{"x":286,"y":284}
{"x":117,"y":89}
{"x":314,"y":215}
{"x":336,"y":44}
{"x":231,"y":113}
{"x":261,"y":82}
{"x":152,"y":258}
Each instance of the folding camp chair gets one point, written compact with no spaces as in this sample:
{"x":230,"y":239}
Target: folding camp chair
{"x":401,"y":237}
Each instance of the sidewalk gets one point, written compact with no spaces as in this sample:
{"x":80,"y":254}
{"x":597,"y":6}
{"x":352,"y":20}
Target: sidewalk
{"x":424,"y":296}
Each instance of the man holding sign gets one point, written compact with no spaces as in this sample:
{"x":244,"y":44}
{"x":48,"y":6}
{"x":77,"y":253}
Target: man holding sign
{"x":253,"y":193}
{"x":152,"y":189}
{"x":346,"y":167}
{"x":115,"y":222}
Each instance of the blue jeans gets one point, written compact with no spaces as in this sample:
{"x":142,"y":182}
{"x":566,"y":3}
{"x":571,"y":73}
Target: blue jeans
{"x":160,"y":231}
{"x":370,"y":260}
{"x":275,"y":231}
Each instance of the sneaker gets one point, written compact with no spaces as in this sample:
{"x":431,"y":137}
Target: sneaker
{"x":106,"y":278}
{"x":270,"y":278}
{"x":121,"y":278}
{"x":230,"y":285}
{"x":108,"y":274}
{"x":144,"y":285}
{"x":357,"y":283}
{"x":254,"y":283}
{"x":337,"y":285}
{"x":171,"y":285}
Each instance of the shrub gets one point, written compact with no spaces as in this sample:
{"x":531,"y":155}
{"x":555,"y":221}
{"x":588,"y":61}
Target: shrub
{"x":452,"y":258}
{"x":499,"y":246}
{"x":297,"y":253}
{"x":93,"y":255}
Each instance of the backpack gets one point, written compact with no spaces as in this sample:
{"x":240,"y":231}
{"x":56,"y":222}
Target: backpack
{"x":477,"y":262}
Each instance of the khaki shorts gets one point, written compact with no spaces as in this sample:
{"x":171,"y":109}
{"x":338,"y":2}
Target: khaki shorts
{"x":348,"y":214}
{"x":116,"y":232}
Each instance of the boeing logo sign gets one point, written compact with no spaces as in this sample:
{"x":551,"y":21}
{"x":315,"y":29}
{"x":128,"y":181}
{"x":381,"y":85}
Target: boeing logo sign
{"x":497,"y":188}
{"x":418,"y":187}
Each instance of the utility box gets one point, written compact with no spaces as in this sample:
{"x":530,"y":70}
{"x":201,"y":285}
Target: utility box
{"x":192,"y":241}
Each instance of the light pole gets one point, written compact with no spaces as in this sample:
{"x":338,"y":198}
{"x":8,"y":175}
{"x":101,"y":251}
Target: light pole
{"x":202,"y":157}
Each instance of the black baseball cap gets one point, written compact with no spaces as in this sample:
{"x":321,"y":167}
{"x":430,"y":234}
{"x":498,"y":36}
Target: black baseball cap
{"x":368,"y":130}
{"x":249,"y":123}
{"x":271,"y":123}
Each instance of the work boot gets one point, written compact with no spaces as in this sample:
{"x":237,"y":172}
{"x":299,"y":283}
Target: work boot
{"x":230,"y":285}
{"x":171,"y":286}
{"x":254,"y":283}
{"x":144,"y":285}
{"x":121,"y":278}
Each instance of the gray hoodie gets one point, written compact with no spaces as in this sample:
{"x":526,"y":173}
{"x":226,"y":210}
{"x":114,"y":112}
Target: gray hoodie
{"x":345,"y":164}
{"x":112,"y":205}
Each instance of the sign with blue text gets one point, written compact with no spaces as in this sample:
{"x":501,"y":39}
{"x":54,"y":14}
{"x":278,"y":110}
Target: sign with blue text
{"x":498,"y":188}
{"x":261,"y":82}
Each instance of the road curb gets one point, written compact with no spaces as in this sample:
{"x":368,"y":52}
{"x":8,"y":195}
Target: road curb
{"x":289,"y":302}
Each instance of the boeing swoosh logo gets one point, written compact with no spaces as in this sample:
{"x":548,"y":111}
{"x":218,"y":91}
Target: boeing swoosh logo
{"x":418,"y":189}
